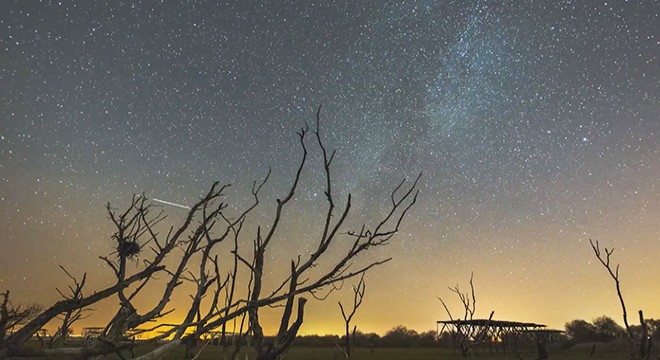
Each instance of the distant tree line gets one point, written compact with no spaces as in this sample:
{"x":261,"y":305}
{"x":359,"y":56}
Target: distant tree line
{"x":601,"y":329}
{"x":399,"y":336}
{"x":605,"y":329}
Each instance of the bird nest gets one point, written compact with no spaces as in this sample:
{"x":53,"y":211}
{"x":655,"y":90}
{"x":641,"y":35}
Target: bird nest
{"x":128,"y":249}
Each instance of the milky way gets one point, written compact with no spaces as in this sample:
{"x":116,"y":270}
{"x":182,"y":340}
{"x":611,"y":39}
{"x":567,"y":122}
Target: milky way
{"x":536,"y":125}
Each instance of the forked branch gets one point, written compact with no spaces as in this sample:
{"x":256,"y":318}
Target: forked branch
{"x":604,"y":257}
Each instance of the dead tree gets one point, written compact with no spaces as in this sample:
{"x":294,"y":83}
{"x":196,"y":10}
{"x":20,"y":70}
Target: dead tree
{"x":358,"y":296}
{"x":138,"y":245}
{"x":132,"y":224}
{"x":12,"y":316}
{"x":68,"y":318}
{"x":645,"y":345}
{"x":190,"y":252}
{"x":212,"y":278}
{"x":135,"y":231}
{"x":299,"y":281}
{"x":213,"y":227}
{"x":465,"y":335}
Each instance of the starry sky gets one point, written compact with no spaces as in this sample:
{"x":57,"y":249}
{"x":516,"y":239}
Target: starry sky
{"x":536,"y":124}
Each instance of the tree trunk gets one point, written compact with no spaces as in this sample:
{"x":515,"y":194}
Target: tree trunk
{"x":284,"y":339}
{"x":348,"y":342}
{"x":645,"y":344}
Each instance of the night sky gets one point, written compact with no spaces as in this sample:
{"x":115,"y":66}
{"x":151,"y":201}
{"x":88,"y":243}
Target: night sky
{"x":536,"y":124}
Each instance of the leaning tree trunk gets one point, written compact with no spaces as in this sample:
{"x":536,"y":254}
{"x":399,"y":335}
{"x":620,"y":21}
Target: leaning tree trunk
{"x":284,"y":339}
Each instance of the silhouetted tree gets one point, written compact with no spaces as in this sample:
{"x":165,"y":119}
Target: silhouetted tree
{"x":428,"y":339}
{"x":358,"y":296}
{"x":400,"y":336}
{"x":466,"y":336}
{"x":652,"y":329}
{"x":580,"y":331}
{"x":370,"y":340}
{"x":191,"y":253}
{"x":12,"y":316}
{"x":69,"y":317}
{"x":640,"y":348}
{"x":445,"y":339}
{"x":299,"y":281}
{"x":607,"y":329}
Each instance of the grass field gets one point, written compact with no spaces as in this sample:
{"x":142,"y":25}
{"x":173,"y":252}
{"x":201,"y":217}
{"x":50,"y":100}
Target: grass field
{"x":602,"y":351}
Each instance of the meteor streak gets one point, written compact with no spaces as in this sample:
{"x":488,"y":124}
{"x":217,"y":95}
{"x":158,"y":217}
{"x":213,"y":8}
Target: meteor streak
{"x":173,"y":204}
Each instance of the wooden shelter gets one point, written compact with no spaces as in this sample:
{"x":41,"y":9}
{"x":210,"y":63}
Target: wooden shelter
{"x":498,"y":334}
{"x":91,"y":332}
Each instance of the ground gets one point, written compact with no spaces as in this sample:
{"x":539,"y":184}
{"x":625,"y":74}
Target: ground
{"x":602,"y":351}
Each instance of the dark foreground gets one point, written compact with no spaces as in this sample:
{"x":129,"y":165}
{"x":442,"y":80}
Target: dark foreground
{"x":610,"y":351}
{"x":579,"y":352}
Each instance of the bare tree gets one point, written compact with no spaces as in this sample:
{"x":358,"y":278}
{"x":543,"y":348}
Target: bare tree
{"x":132,"y":226}
{"x":191,"y":252}
{"x":644,"y":349}
{"x":69,"y":317}
{"x":12,"y":316}
{"x":358,"y":296}
{"x":135,"y":231}
{"x":299,"y":281}
{"x":465,"y":335}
